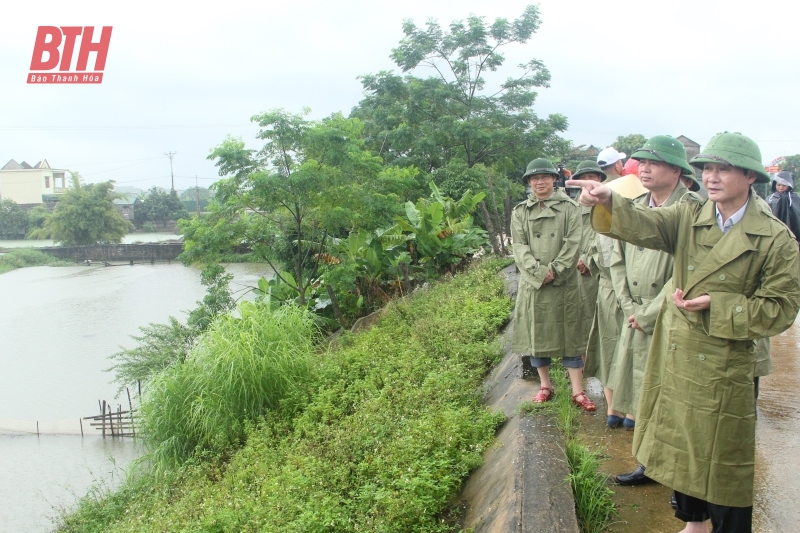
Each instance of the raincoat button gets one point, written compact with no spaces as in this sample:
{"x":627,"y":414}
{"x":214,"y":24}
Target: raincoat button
{"x":552,"y":234}
{"x":738,"y":308}
{"x":538,"y":235}
{"x":702,"y":357}
{"x":653,"y":285}
{"x":690,"y":267}
{"x":640,"y":248}
{"x":635,"y":283}
{"x":722,"y":277}
{"x":672,"y":346}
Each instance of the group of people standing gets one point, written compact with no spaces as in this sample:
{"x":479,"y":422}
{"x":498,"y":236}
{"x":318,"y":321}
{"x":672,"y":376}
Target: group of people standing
{"x":667,"y":299}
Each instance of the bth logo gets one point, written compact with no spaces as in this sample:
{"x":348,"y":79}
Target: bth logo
{"x":48,"y":53}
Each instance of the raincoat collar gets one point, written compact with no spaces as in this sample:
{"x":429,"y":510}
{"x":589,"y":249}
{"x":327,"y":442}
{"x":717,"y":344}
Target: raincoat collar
{"x":752,"y":223}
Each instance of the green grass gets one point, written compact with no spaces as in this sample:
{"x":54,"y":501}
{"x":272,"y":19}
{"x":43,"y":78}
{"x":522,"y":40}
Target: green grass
{"x":391,"y":427}
{"x":593,"y":503}
{"x":27,"y":257}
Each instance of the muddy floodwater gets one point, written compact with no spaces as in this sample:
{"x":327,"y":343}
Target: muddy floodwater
{"x":58,"y":325}
{"x":777,"y":481}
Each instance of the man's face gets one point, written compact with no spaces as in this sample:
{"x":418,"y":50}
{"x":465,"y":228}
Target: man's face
{"x":542,"y":185}
{"x":780,"y":187}
{"x":657,"y":176}
{"x":726,"y":184}
{"x":594,"y":176}
{"x":619,"y":166}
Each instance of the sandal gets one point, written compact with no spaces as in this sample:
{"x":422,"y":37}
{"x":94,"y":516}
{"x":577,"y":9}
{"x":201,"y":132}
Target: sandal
{"x":585,"y":403}
{"x":545,"y":394}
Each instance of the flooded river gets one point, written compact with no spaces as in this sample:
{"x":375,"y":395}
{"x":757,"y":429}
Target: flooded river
{"x":58,"y":325}
{"x":646,"y":508}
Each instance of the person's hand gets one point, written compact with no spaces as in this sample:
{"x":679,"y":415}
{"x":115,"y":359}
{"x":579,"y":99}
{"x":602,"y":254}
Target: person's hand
{"x":583,"y":269}
{"x":701,"y":303}
{"x":593,"y":193}
{"x":548,"y":277}
{"x":633,"y":324}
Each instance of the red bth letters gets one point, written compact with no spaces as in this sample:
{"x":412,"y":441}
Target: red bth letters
{"x":48,"y":54}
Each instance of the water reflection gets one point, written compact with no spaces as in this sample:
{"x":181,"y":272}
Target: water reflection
{"x":131,"y":238}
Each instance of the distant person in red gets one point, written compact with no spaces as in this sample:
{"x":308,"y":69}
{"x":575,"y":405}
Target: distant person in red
{"x":631,"y":167}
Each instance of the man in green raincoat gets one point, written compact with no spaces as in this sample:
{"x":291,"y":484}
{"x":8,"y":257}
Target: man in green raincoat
{"x":639,"y":276}
{"x":608,"y":316}
{"x":736,"y":279}
{"x":546,"y":234}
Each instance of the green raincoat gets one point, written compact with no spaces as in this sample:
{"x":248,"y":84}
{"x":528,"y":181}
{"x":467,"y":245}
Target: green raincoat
{"x":587,"y":285}
{"x":695,"y":427}
{"x":547,"y":239}
{"x":638,"y":275}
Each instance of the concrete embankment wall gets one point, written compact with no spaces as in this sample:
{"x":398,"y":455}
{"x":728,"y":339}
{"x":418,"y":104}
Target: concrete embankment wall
{"x":117,"y":252}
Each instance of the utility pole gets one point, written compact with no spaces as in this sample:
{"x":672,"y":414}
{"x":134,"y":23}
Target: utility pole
{"x":171,"y":175}
{"x":197,"y":194}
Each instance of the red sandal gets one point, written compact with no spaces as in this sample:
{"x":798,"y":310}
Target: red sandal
{"x":545,"y":394}
{"x":585,"y":403}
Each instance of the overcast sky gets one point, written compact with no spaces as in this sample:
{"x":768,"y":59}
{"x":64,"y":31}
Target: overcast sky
{"x":180,"y":76}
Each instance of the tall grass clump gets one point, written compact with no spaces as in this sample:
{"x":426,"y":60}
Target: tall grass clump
{"x":242,"y":369}
{"x":27,"y":257}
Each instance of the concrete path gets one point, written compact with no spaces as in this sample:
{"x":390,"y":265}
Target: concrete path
{"x":522,"y":486}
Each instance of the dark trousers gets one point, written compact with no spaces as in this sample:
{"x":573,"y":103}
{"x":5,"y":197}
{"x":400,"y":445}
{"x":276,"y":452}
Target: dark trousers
{"x":724,"y":519}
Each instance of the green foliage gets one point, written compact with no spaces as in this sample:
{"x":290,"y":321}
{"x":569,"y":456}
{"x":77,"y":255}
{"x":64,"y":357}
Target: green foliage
{"x":162,"y":345}
{"x":158,"y":206}
{"x":37,"y":218}
{"x":241,"y":369}
{"x":193,"y":193}
{"x":442,"y":230}
{"x":85,"y":215}
{"x":26,"y":257}
{"x":393,"y":427}
{"x":629,"y":143}
{"x":13,"y":220}
{"x":792,"y":164}
{"x":450,"y":122}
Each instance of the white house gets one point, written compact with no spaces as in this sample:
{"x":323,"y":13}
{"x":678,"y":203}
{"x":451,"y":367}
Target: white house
{"x":26,"y":184}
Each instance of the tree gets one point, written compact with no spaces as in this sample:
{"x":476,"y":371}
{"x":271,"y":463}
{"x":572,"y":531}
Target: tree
{"x":13,"y":220}
{"x":37,"y":218}
{"x":629,"y":143}
{"x":792,"y":164}
{"x":310,"y":181}
{"x":85,"y":215}
{"x":451,"y":123}
{"x":193,"y":193}
{"x":160,"y":206}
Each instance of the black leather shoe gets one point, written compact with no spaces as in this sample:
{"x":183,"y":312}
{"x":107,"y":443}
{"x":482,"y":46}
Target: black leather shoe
{"x":636,"y":477}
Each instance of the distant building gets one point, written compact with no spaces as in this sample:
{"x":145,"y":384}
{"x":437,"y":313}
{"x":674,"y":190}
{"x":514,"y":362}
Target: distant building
{"x":125,"y":204}
{"x":27,"y":185}
{"x":692,"y":148}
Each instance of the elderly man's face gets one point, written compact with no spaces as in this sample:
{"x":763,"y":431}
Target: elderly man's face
{"x":726,"y":184}
{"x":780,"y":187}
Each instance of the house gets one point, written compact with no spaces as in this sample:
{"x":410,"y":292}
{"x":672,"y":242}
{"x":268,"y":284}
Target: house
{"x":692,"y":148}
{"x":126,"y":200}
{"x":26,"y":184}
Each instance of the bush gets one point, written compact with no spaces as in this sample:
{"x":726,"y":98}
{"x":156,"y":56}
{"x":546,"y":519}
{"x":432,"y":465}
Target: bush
{"x":241,"y":369}
{"x":26,"y":257}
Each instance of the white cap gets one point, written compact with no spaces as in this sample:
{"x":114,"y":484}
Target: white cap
{"x":609,"y":156}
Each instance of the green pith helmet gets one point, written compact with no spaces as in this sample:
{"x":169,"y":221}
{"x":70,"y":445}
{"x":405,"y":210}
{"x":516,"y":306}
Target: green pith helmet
{"x":666,"y":149}
{"x":588,"y":167}
{"x":692,"y":176}
{"x":733,"y":149}
{"x":539,"y":166}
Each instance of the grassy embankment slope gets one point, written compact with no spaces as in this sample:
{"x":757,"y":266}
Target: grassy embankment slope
{"x":390,"y":428}
{"x":27,"y":257}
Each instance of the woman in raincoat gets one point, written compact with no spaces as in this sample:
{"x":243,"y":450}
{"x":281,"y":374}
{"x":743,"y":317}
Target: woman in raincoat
{"x":784,"y":203}
{"x":546,"y":232}
{"x":736,"y":279}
